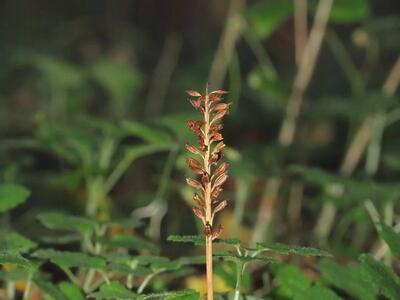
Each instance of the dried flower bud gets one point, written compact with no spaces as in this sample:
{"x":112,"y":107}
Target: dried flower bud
{"x":199,"y":200}
{"x":220,"y":206}
{"x":219,"y":92}
{"x":217,"y":137}
{"x":215,"y":192}
{"x":192,"y":149}
{"x":221,"y":169}
{"x":221,"y":106}
{"x":196,"y":103}
{"x":194,"y":183}
{"x":199,"y":213}
{"x":195,"y":165}
{"x":221,"y":179}
{"x":218,"y":148}
{"x":207,"y":229}
{"x":193,"y":93}
{"x":195,"y":126}
{"x":205,"y":178}
{"x":216,"y":157}
{"x":216,"y":234}
{"x":219,"y":115}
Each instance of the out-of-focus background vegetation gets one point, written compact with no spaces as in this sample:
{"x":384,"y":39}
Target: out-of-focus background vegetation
{"x":93,"y":111}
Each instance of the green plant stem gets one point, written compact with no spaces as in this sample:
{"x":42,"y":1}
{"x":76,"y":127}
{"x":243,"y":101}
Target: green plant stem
{"x":146,"y":281}
{"x":88,"y":280}
{"x":71,"y":276}
{"x":10,"y":290}
{"x":240,"y":266}
{"x":27,"y":287}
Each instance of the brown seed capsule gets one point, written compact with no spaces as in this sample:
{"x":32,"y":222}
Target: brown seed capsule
{"x":217,"y":137}
{"x":219,"y":92}
{"x":221,"y":169}
{"x":218,"y":148}
{"x":216,"y":234}
{"x":198,"y":200}
{"x":219,"y":115}
{"x":220,"y":206}
{"x":215,"y":192}
{"x":196,"y":103}
{"x":192,"y":149}
{"x":221,"y":179}
{"x":207,"y":229}
{"x":216,"y":157}
{"x":221,"y":106}
{"x":195,"y":165}
{"x":194,"y":183}
{"x":205,"y":178}
{"x":199,"y":213}
{"x":193,"y":93}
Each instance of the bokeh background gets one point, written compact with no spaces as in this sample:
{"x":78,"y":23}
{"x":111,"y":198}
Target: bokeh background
{"x":93,"y":111}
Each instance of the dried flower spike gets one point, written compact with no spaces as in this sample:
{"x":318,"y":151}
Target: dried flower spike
{"x":213,"y":174}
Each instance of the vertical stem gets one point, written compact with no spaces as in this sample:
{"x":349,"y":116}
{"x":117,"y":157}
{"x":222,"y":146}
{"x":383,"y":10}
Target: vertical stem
{"x":300,"y":28}
{"x":239,"y":270}
{"x":207,"y":199}
{"x":28,"y":287}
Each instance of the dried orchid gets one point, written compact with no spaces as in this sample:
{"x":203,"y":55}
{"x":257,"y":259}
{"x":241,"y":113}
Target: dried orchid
{"x":212,"y":174}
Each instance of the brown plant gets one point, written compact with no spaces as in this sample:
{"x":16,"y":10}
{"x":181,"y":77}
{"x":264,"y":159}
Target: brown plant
{"x":212,"y":174}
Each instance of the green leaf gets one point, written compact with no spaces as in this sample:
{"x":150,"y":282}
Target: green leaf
{"x":227,"y":256}
{"x":391,"y":238}
{"x":62,"y":221}
{"x":13,"y":257}
{"x":66,"y":259}
{"x":286,"y":249}
{"x":131,"y":242}
{"x":147,"y":133}
{"x":12,"y":195}
{"x":382,"y":276}
{"x":266,"y":16}
{"x":344,"y":11}
{"x":113,"y":291}
{"x":71,"y":292}
{"x":351,"y":279}
{"x":178,"y":295}
{"x":15,"y":242}
{"x":49,"y":289}
{"x":199,"y":240}
{"x":317,"y":293}
{"x":291,"y":281}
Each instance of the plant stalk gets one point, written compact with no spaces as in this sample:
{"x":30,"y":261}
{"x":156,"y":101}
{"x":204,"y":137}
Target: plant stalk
{"x":207,"y":196}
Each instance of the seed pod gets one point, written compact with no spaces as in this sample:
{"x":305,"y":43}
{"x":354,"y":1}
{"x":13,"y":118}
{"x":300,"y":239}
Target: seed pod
{"x":215,"y":192}
{"x":196,"y":103}
{"x":207,"y":229}
{"x":205,"y":178}
{"x":217,"y":137}
{"x":194,"y":183}
{"x":220,"y":206}
{"x":198,"y":200}
{"x":192,"y":149}
{"x":221,"y":169}
{"x":216,"y":157}
{"x":221,"y":179}
{"x":218,"y":148}
{"x":221,"y":106}
{"x":219,"y":115}
{"x":195,"y":165}
{"x":216,"y":234}
{"x":199,"y":213}
{"x":219,"y":92}
{"x":193,"y":93}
